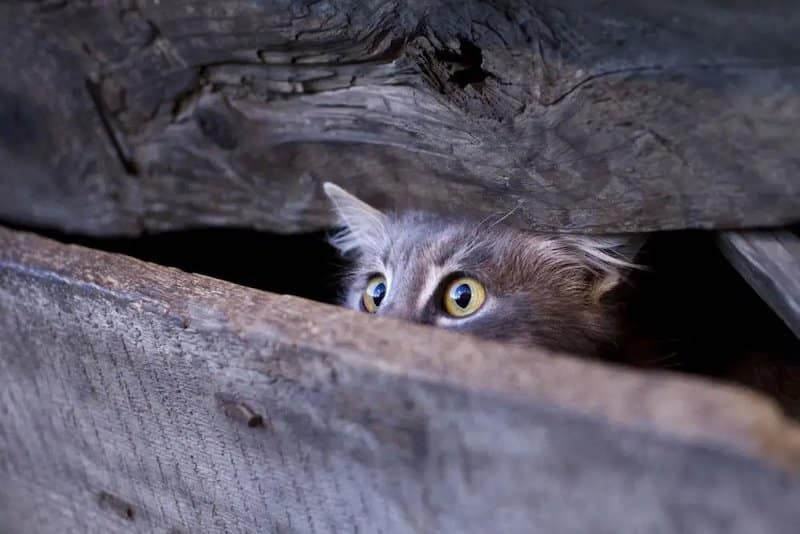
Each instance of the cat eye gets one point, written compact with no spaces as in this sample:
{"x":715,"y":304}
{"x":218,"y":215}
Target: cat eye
{"x":463,"y":296}
{"x":374,"y":293}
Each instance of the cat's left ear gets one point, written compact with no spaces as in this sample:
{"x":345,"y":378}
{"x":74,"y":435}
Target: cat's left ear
{"x":364,"y":227}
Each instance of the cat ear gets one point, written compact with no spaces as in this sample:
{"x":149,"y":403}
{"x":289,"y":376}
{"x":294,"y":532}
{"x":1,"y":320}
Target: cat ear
{"x":363,"y":227}
{"x":609,"y":258}
{"x":610,"y":250}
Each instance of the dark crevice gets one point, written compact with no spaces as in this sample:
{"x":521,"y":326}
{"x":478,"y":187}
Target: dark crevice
{"x":468,"y":62}
{"x":693,"y":313}
{"x":304,"y":265}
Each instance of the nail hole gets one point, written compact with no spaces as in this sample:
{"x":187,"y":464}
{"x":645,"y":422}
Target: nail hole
{"x":240,"y":411}
{"x":119,"y":506}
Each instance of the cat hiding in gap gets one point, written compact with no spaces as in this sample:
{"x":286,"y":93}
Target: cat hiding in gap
{"x":558,"y":291}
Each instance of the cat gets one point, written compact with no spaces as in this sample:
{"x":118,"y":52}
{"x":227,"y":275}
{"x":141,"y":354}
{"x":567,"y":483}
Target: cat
{"x":556,"y":291}
{"x":566,"y":293}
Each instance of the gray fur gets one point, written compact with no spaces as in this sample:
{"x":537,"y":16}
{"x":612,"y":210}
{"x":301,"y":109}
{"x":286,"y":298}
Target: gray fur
{"x":553,"y":290}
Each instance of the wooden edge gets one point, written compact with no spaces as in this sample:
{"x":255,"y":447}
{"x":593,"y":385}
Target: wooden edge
{"x":770,"y":262}
{"x":674,"y":407}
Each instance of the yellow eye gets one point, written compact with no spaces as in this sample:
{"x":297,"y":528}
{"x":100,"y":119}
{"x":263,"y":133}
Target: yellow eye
{"x":374,"y":293}
{"x":463,"y":296}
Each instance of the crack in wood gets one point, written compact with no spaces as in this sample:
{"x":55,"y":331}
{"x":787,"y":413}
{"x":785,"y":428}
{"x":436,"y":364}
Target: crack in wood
{"x":115,"y":135}
{"x":667,"y":68}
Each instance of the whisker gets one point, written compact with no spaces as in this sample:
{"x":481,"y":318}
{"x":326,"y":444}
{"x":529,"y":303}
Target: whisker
{"x":507,"y":215}
{"x":482,"y":221}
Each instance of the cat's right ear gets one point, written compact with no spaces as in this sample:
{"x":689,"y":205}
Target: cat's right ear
{"x":363,"y":227}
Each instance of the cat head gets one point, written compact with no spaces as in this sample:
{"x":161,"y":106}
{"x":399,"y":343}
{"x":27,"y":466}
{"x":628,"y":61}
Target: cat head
{"x":483,"y":278}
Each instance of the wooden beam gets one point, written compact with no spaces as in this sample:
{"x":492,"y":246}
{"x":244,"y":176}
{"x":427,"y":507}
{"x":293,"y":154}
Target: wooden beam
{"x":580,"y":115}
{"x":140,"y":398}
{"x":770,"y":262}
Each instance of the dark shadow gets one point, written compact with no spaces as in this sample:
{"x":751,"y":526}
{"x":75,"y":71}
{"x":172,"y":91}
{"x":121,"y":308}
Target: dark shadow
{"x":694,"y":313}
{"x":304,"y":265}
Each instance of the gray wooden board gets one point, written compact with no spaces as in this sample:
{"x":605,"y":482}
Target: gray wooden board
{"x":137,"y":398}
{"x":581,"y":115}
{"x":770,"y":262}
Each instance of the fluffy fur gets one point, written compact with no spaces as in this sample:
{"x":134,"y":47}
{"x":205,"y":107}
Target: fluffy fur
{"x":542,"y":289}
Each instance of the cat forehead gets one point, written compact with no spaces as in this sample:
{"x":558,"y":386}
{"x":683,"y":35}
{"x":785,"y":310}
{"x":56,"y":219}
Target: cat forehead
{"x":411,"y":231}
{"x":424,"y":239}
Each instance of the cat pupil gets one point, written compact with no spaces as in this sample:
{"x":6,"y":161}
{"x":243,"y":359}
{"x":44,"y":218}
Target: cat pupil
{"x":378,"y":292}
{"x":462,"y":295}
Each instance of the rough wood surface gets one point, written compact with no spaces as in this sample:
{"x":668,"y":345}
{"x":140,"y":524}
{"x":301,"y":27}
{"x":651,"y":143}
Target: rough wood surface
{"x":136,"y":398}
{"x":770,"y":262}
{"x":588,"y":115}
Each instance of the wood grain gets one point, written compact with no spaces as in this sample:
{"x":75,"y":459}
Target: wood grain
{"x":770,"y":262}
{"x":581,"y":115}
{"x":137,"y":398}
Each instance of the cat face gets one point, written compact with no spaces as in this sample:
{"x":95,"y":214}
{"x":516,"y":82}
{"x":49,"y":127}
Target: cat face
{"x":481,"y":278}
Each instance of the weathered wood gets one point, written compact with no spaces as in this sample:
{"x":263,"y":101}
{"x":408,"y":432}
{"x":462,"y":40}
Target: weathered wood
{"x":586,"y":115}
{"x":770,"y":262}
{"x":137,"y":398}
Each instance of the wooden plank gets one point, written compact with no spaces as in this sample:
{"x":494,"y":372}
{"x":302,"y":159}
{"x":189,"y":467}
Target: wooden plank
{"x":141,"y":398}
{"x":583,"y":115}
{"x":770,"y":262}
